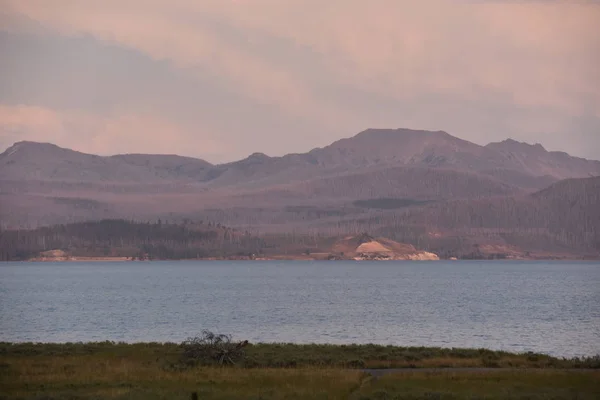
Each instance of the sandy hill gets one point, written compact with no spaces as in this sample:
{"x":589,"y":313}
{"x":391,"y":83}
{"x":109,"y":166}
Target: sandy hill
{"x":365,"y":247}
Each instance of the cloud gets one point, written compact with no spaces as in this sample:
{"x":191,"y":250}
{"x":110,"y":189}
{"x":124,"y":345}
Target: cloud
{"x":398,"y":47}
{"x":483,"y":70}
{"x":166,"y":32}
{"x":542,"y":55}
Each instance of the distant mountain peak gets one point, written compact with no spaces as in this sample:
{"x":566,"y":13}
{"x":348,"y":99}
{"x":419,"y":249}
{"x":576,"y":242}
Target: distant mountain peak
{"x":32,"y":149}
{"x":27,"y":143}
{"x":257,"y":157}
{"x":399,"y":132}
{"x":514,"y":145}
{"x":35,"y":144}
{"x":141,"y":158}
{"x":375,"y":137}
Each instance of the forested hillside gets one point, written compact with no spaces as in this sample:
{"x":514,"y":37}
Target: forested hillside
{"x":564,"y":218}
{"x":427,"y":189}
{"x":560,"y":221}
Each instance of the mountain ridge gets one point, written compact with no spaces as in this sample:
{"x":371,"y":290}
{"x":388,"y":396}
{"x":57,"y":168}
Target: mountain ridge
{"x":358,"y":135}
{"x":371,"y":148}
{"x":335,"y":189}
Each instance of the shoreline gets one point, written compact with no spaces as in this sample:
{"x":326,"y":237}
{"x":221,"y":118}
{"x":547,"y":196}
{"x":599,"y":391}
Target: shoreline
{"x":355,"y":356}
{"x":79,"y":259}
{"x":341,"y":346}
{"x":287,"y":258}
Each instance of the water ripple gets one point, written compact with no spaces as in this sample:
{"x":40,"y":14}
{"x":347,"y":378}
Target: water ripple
{"x":548,"y":307}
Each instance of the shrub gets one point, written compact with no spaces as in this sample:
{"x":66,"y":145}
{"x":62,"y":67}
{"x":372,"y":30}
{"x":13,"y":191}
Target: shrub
{"x":356,"y":364}
{"x":212,"y":348}
{"x":587,"y":362}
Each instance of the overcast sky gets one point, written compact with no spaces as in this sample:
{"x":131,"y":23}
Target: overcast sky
{"x":220,"y":79}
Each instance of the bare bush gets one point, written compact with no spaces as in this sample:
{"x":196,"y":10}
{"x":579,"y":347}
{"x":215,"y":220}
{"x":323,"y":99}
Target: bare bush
{"x":211,"y":348}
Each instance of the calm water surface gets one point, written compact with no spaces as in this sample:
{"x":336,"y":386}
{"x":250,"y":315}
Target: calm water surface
{"x":549,"y":307}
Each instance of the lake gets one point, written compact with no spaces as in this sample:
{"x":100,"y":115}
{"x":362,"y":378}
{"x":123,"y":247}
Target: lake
{"x":548,"y":307}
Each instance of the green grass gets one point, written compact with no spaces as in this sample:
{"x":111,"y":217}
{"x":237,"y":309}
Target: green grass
{"x":446,"y":385}
{"x":377,"y":356}
{"x":276,"y":371}
{"x":275,"y":355}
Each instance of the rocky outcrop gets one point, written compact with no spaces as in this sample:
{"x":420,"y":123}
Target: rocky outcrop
{"x":381,"y":249}
{"x":424,"y":256}
{"x":52,"y":255}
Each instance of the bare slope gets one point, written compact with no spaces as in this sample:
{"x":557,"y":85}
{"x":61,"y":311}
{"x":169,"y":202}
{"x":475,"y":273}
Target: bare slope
{"x":365,"y":247}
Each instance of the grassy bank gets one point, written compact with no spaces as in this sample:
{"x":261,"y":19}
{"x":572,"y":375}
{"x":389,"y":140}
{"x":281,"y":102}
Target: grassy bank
{"x":273,"y":355}
{"x":273,"y":371}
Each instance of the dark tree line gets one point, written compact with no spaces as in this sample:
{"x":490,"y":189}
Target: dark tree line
{"x":123,"y":238}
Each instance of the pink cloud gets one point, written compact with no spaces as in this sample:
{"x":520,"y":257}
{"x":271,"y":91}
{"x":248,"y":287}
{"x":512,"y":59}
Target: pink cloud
{"x":532,"y":55}
{"x":158,"y":29}
{"x":395,"y":47}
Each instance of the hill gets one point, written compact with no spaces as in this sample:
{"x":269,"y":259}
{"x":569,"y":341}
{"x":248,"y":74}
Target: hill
{"x":509,"y":162}
{"x":47,"y":162}
{"x":383,"y":148}
{"x":428,"y":189}
{"x":128,"y":239}
{"x":560,"y":220}
{"x":537,"y":161}
{"x":366,"y":247}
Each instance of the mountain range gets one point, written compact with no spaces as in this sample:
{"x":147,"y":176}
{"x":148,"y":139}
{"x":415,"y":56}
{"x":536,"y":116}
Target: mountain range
{"x":401,"y":182}
{"x":510,"y":162}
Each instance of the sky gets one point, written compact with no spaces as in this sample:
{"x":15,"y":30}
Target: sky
{"x":221,"y":79}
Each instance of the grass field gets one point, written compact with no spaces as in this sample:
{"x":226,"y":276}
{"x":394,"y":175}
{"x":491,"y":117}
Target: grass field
{"x":271,"y":371}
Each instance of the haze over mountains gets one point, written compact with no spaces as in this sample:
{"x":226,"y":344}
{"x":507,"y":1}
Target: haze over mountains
{"x":416,"y":178}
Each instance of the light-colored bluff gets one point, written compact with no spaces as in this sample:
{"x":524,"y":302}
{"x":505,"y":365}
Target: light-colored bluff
{"x":365,"y":247}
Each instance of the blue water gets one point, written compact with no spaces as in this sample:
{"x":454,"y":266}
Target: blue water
{"x":548,"y":307}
